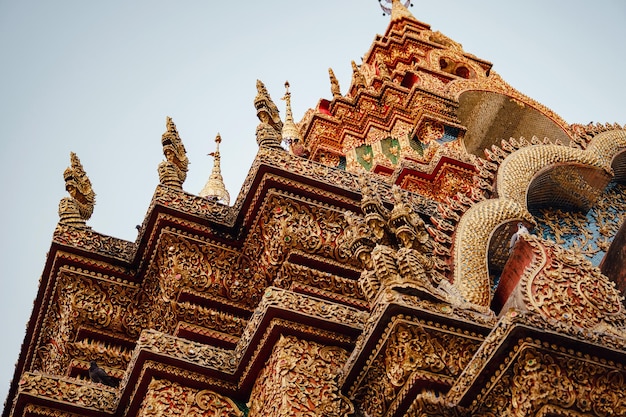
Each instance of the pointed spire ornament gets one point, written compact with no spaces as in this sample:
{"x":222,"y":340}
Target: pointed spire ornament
{"x":291,"y":134}
{"x":290,"y":130}
{"x":395,"y":8}
{"x":214,"y":189}
{"x":334,"y":84}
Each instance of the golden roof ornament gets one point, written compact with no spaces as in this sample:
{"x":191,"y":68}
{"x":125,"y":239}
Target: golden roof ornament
{"x":382,"y":68}
{"x":334,"y":84}
{"x":214,"y":189}
{"x":269,"y":131}
{"x":357,"y":76}
{"x":76,"y":209}
{"x":290,"y":131}
{"x":291,"y":134}
{"x":396,"y":8}
{"x":173,"y":171}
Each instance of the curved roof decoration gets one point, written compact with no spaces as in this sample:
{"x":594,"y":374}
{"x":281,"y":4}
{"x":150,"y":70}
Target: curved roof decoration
{"x":475,"y":228}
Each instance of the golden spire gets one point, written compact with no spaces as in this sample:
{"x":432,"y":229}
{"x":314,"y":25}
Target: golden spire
{"x":290,"y":130}
{"x":214,"y":188}
{"x":399,"y":9}
{"x":291,"y":134}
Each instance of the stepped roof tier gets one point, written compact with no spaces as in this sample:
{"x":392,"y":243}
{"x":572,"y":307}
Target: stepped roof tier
{"x":430,"y":243}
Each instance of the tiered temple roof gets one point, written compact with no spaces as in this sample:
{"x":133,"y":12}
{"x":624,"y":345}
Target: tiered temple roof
{"x":373,"y":266}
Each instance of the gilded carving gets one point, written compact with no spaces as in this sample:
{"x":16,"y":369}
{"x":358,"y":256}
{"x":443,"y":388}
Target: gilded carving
{"x":564,"y":287}
{"x":94,"y":242}
{"x":262,"y":298}
{"x":562,"y":380}
{"x":408,"y":349}
{"x":205,"y":355}
{"x":290,"y":273}
{"x":299,"y":379}
{"x":82,"y":300}
{"x":86,"y":394}
{"x":167,"y":398}
{"x":36,"y":410}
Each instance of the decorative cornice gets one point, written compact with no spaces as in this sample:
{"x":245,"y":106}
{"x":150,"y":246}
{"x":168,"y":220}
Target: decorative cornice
{"x":69,"y":391}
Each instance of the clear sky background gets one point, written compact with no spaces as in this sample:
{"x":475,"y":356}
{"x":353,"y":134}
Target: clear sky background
{"x":99,"y":78}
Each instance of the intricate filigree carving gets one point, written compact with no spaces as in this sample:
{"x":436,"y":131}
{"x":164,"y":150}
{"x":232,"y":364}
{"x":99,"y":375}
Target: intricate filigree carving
{"x":565,"y":380}
{"x":88,"y":395}
{"x":297,"y":372}
{"x":88,"y":240}
{"x":170,"y":398}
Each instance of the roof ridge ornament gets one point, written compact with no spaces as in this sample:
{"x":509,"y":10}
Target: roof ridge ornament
{"x":395,"y":8}
{"x":76,"y":209}
{"x":173,"y":171}
{"x":269,"y":130}
{"x":334,"y":84}
{"x":290,"y":133}
{"x":214,"y":189}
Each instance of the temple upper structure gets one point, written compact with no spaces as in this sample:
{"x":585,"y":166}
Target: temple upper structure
{"x":432,"y":243}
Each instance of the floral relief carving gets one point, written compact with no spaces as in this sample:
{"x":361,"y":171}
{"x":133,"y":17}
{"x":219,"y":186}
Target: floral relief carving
{"x":591,"y":235}
{"x":291,"y":272}
{"x":565,"y":287}
{"x":172,"y":399}
{"x":199,"y":353}
{"x":81,"y":299}
{"x":299,"y":379}
{"x":541,"y":377}
{"x":409,"y":348}
{"x":86,"y":394}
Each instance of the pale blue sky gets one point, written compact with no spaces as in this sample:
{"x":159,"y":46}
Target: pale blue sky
{"x":99,"y":79}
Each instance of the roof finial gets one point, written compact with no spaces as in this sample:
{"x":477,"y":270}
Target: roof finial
{"x":268,"y":132}
{"x":173,"y":171}
{"x":396,"y":8}
{"x":290,"y":131}
{"x":291,"y":134}
{"x":358,"y":79}
{"x":334,"y":84}
{"x":214,"y":189}
{"x":77,"y":208}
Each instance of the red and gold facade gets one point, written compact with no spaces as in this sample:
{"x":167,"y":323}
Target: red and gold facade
{"x":367,"y":271}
